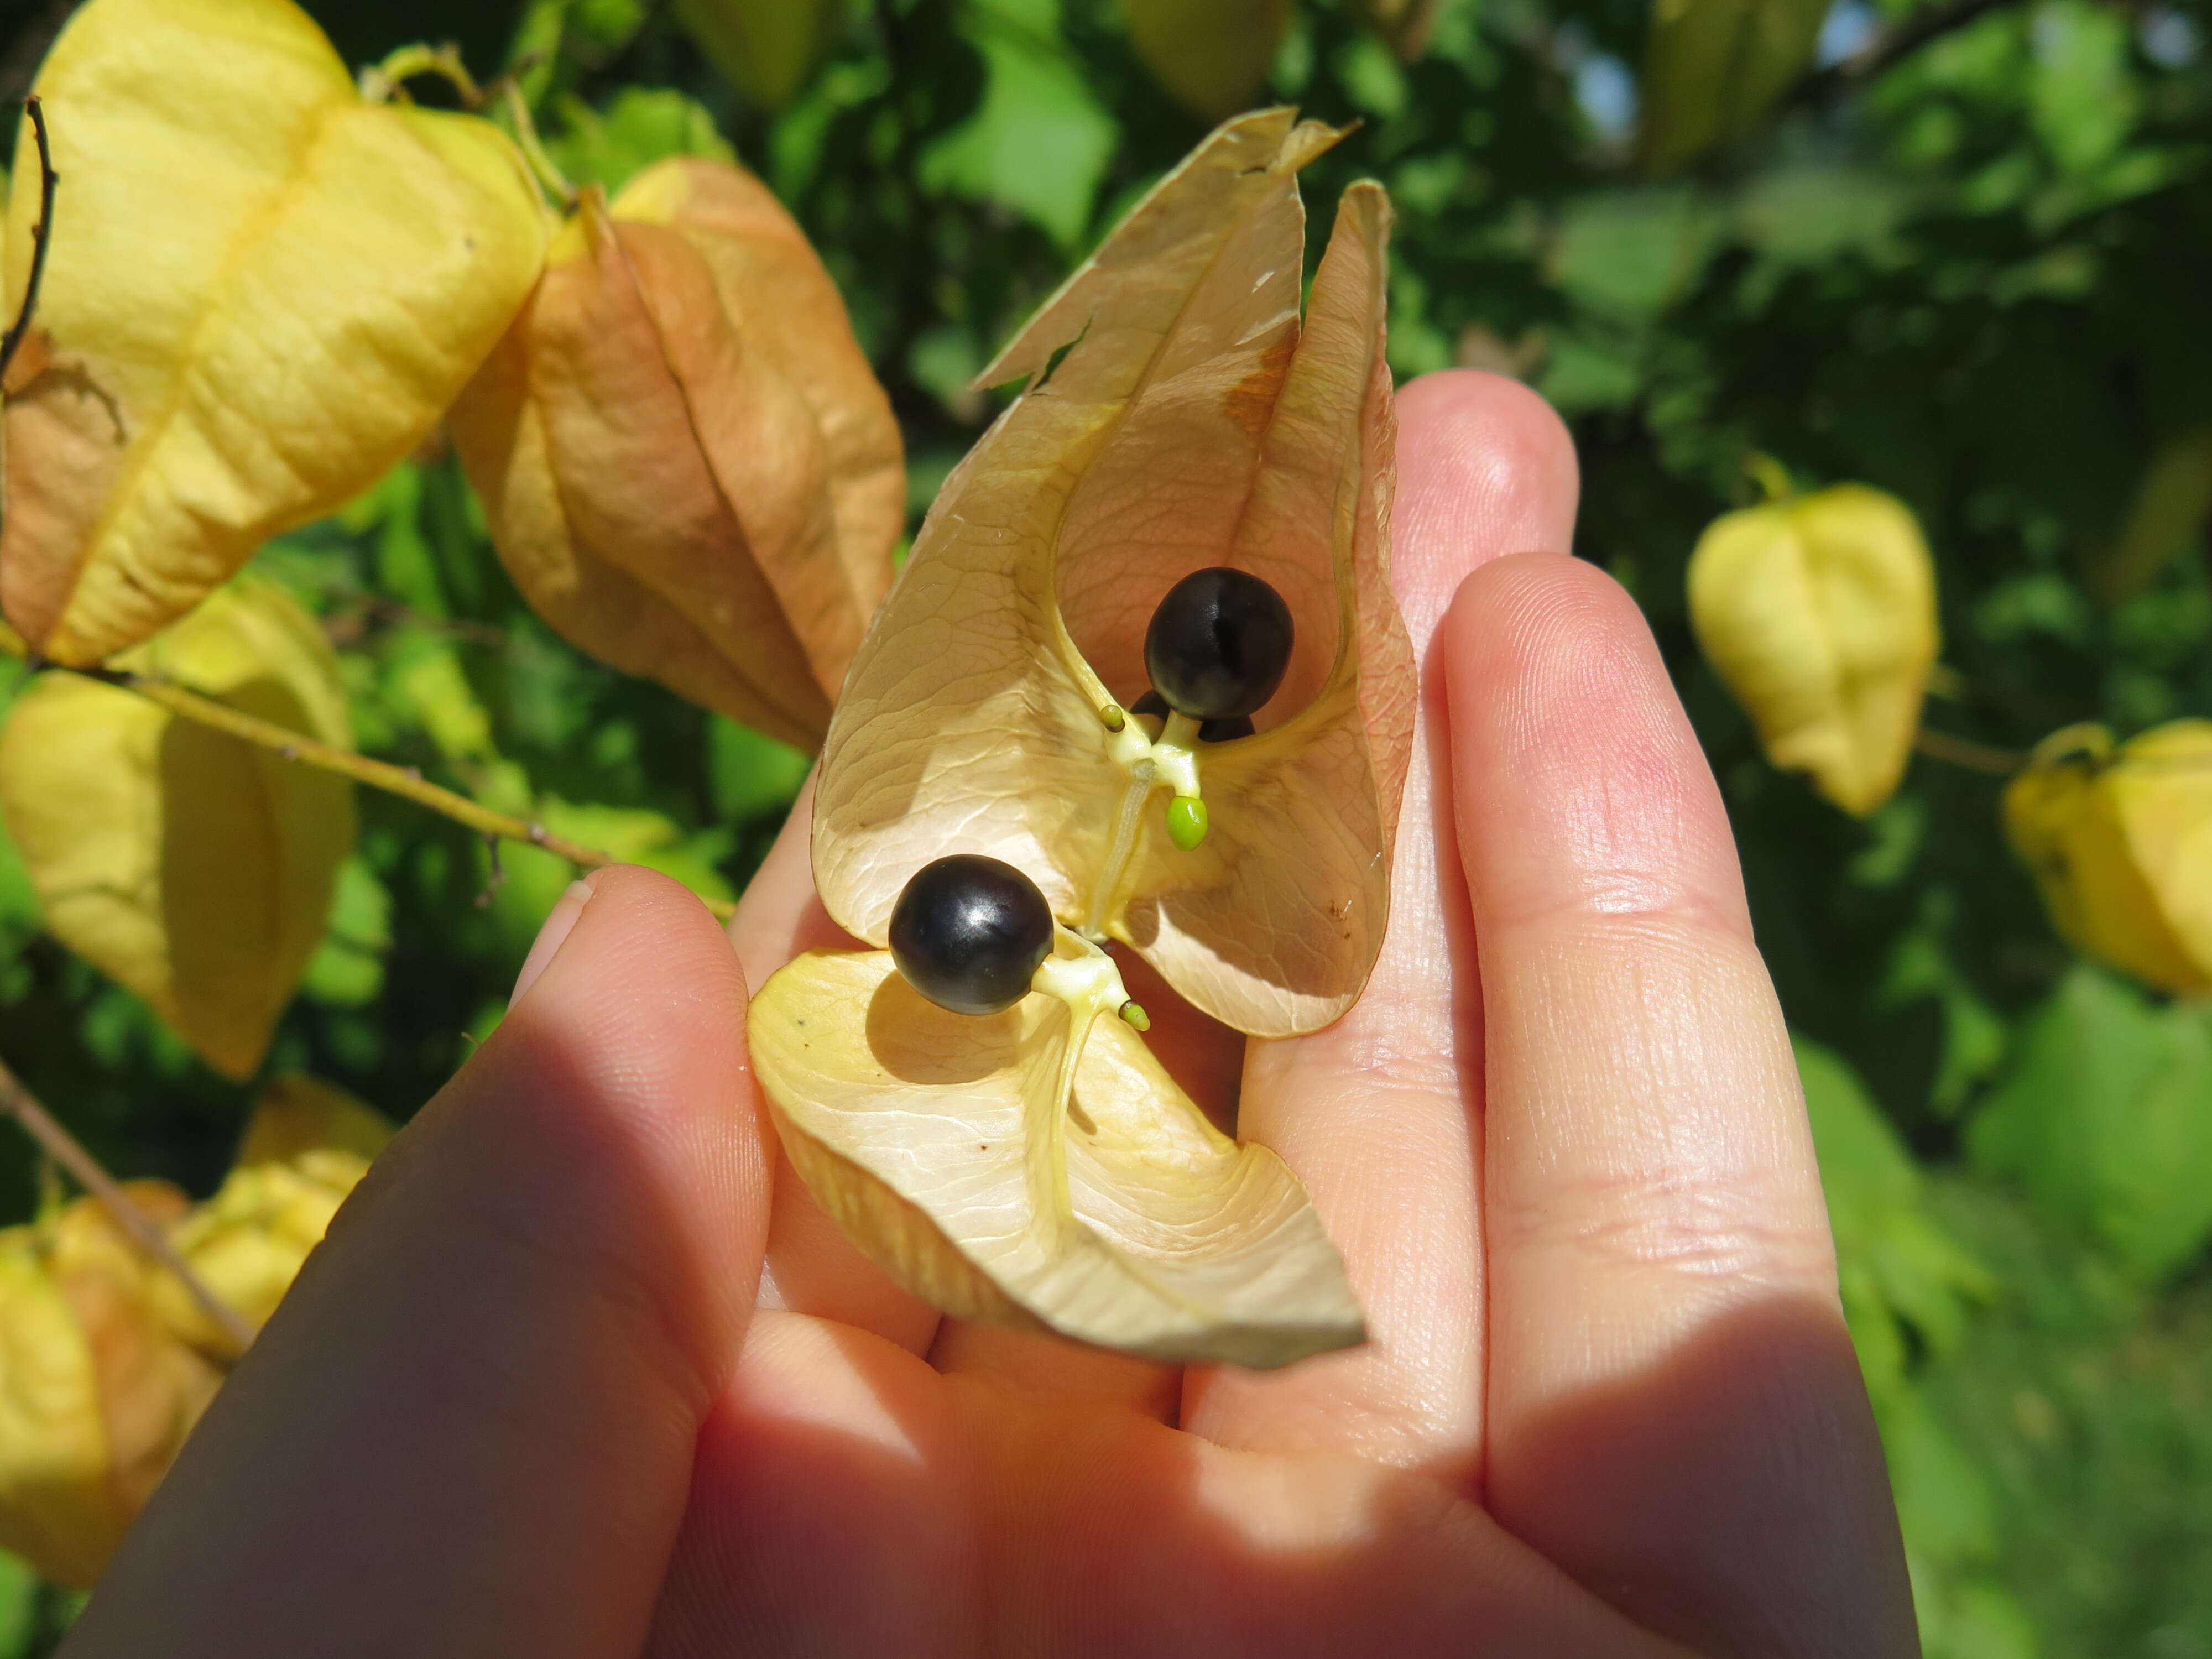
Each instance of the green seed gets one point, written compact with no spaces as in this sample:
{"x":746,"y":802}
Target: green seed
{"x":1186,"y":822}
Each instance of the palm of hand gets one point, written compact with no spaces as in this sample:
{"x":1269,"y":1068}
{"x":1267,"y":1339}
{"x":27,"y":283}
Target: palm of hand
{"x":525,"y":1402}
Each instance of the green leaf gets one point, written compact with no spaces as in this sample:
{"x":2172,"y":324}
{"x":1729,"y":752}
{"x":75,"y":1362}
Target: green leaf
{"x":642,"y":125}
{"x":751,"y":776}
{"x":1713,"y":69}
{"x":1039,"y":143}
{"x":2106,"y":1118}
{"x":1627,"y":255}
{"x":2081,"y":94}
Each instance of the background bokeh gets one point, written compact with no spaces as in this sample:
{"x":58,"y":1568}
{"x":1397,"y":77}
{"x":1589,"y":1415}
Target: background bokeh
{"x":1974,"y":271}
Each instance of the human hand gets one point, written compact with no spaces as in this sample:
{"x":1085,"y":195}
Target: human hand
{"x":581,"y":1372}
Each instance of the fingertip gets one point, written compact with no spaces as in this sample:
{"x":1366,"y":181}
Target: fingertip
{"x":1486,"y":468}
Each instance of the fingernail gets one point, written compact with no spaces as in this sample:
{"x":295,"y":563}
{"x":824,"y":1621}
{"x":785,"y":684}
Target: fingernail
{"x":558,"y":925}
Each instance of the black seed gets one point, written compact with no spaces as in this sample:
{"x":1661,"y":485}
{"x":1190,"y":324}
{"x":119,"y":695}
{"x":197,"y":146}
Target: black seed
{"x":969,"y":932}
{"x":1219,"y":644}
{"x":1154,"y":704}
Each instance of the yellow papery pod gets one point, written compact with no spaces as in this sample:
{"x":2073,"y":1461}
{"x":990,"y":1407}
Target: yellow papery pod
{"x":688,"y":465}
{"x":2120,"y":843}
{"x":262,"y":294}
{"x":1713,"y":69}
{"x":56,"y":1510}
{"x":767,"y":47}
{"x":193,"y":867}
{"x":1191,"y":423}
{"x":1213,"y":55}
{"x":960,"y":1153}
{"x":1819,"y":614}
{"x":297,"y":1114}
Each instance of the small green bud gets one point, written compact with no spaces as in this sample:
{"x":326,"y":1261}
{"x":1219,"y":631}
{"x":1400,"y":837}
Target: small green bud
{"x":1112,"y":717}
{"x":1134,"y":1013}
{"x":1186,"y":821}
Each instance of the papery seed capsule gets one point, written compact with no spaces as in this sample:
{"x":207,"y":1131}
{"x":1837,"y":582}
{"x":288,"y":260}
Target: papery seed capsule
{"x":1239,"y":726}
{"x":1219,"y":644}
{"x":969,"y":932}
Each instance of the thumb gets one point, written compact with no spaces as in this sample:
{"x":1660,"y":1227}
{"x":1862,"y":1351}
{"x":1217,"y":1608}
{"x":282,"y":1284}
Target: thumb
{"x":469,"y":1430}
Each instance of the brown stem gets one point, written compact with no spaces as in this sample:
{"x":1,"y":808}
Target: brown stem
{"x":290,"y":745}
{"x":1974,"y":756}
{"x":66,"y":1150}
{"x":41,"y":233}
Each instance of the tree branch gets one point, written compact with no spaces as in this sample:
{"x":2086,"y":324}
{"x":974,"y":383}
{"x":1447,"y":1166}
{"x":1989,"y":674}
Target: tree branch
{"x":287,"y":745}
{"x":69,"y":1151}
{"x":1892,"y":46}
{"x":1974,"y":756}
{"x":41,"y":233}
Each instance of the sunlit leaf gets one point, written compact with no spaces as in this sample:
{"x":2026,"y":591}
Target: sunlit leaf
{"x":1115,"y":1214}
{"x":1818,"y":613}
{"x":687,"y":465}
{"x":263,"y":293}
{"x":1189,"y":423}
{"x":1712,"y":69}
{"x":193,"y":867}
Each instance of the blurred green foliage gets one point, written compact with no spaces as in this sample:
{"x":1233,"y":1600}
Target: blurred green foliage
{"x":1978,"y":278}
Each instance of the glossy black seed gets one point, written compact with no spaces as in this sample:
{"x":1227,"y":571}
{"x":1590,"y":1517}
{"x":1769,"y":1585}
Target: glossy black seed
{"x":969,"y":932}
{"x":1238,"y":726}
{"x":1219,"y":644}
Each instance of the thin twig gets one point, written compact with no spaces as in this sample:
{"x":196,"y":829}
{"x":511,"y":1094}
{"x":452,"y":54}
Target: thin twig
{"x":1975,"y":756}
{"x":41,"y":235}
{"x":66,"y":1150}
{"x":287,"y":745}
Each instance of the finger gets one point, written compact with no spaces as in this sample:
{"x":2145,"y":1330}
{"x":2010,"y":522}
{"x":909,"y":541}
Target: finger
{"x":470,"y":1427}
{"x":1675,"y":1412}
{"x":1380,"y":1114}
{"x":811,"y":1267}
{"x":990,"y":1520}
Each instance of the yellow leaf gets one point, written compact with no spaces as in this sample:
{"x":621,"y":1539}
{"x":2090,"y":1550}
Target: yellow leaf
{"x":2120,"y":844}
{"x":261,"y":294}
{"x":767,"y":47}
{"x":959,"y":1154}
{"x":1213,"y":55}
{"x":1190,"y":423}
{"x":190,"y":866}
{"x":1713,"y":69}
{"x":1819,"y":614}
{"x":687,"y":466}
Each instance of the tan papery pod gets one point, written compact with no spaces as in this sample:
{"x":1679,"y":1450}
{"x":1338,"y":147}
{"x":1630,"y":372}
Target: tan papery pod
{"x":687,"y":466}
{"x":2120,"y":843}
{"x":1191,"y":423}
{"x":918,"y":1132}
{"x":193,"y":867}
{"x":262,"y":293}
{"x":1819,"y":614}
{"x":1406,"y":24}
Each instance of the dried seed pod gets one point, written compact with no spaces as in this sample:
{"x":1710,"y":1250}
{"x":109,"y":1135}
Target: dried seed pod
{"x":1818,"y":613}
{"x":190,"y":865}
{"x":1213,"y":55}
{"x":262,"y":293}
{"x":687,"y":466}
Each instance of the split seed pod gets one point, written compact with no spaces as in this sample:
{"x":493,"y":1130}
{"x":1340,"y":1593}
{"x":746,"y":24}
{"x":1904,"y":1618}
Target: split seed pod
{"x":687,"y":466}
{"x":262,"y":293}
{"x":193,"y":867}
{"x":1191,"y":423}
{"x":1039,"y":1169}
{"x":2120,"y":843}
{"x":1819,"y":614}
